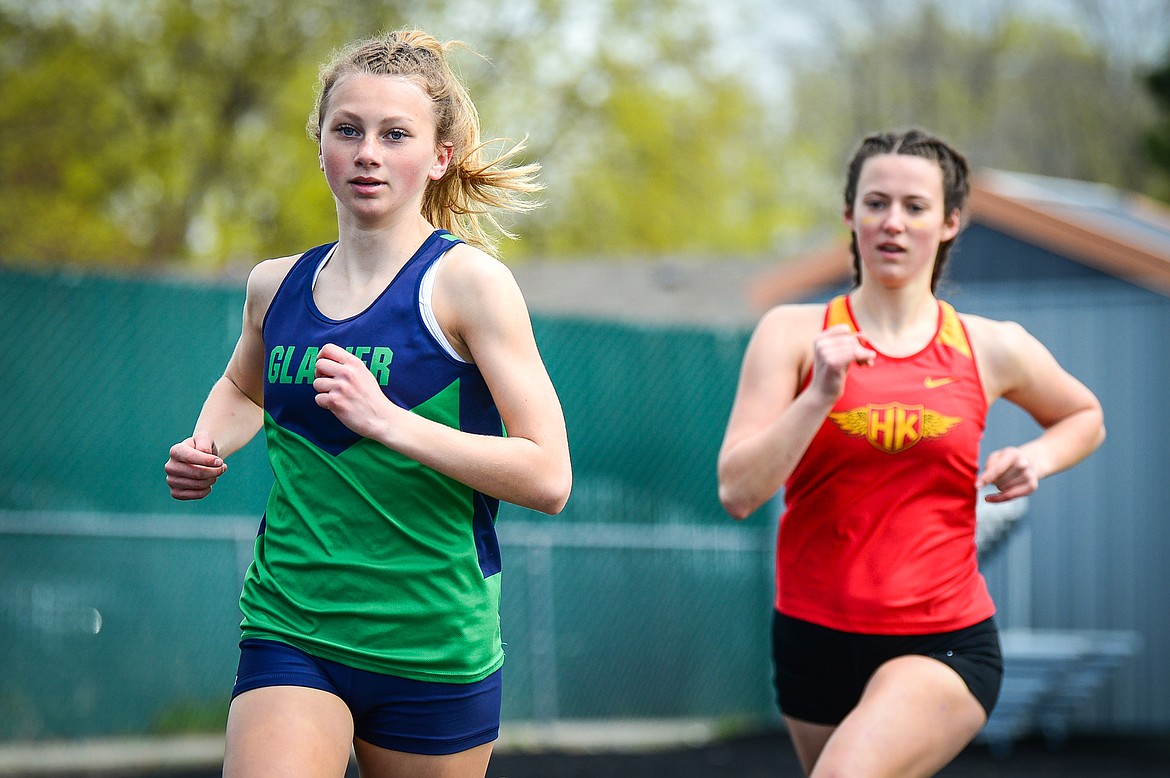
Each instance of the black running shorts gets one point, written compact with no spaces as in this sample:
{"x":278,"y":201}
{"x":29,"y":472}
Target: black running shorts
{"x":821,"y":672}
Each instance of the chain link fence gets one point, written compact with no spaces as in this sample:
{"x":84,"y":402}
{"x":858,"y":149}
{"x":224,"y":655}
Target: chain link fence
{"x":118,"y":606}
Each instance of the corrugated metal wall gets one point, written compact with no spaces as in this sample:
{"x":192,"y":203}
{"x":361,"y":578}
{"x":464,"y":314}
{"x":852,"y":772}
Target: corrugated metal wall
{"x":1094,"y":552}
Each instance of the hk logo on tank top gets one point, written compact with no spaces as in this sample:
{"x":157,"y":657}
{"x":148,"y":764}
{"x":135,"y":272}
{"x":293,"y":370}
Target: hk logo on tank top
{"x":893,"y":427}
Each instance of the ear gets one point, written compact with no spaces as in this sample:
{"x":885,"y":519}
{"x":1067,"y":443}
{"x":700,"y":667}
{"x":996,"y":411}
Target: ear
{"x":847,"y":216}
{"x":442,"y":161}
{"x":320,"y":158}
{"x":951,"y":225}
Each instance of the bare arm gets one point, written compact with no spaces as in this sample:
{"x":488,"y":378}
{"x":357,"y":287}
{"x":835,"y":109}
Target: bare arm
{"x":771,"y":425}
{"x":233,"y":411}
{"x":1020,"y":369}
{"x":478,"y":303}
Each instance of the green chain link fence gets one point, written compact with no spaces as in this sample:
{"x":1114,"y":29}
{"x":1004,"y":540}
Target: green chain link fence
{"x":118,"y":605}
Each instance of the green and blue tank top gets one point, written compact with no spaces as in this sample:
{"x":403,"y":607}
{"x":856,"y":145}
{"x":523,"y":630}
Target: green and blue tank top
{"x":364,"y":556}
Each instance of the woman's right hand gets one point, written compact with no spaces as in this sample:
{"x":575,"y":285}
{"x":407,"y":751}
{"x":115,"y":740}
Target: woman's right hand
{"x":193,"y":467}
{"x":835,"y":350}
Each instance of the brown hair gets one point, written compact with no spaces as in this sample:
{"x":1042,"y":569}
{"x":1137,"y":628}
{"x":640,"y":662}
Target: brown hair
{"x":463,"y":200}
{"x":913,"y":142}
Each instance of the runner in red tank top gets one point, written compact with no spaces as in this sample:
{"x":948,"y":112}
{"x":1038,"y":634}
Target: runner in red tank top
{"x":870,"y":412}
{"x":891,"y":469}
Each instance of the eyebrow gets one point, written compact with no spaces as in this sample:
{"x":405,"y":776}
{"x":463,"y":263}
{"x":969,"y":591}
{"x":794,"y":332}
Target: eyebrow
{"x":888,"y":196}
{"x":348,"y":115}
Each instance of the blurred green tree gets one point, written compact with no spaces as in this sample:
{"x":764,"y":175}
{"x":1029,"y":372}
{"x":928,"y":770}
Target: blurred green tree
{"x":1157,"y":136}
{"x":679,"y":163}
{"x":169,"y":132}
{"x":1021,"y":95}
{"x":157,"y":131}
{"x":151,"y":132}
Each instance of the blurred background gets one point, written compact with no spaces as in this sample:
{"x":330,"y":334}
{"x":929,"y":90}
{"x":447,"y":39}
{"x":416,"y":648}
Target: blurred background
{"x":151,"y":151}
{"x":166,"y":135}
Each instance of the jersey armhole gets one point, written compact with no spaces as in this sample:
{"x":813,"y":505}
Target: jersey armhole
{"x":426,"y":289}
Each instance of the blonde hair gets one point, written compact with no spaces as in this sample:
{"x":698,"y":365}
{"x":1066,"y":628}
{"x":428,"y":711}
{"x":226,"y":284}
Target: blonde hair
{"x":474,"y":186}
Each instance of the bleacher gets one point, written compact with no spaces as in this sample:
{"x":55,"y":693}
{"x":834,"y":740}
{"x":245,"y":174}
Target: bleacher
{"x":1048,"y":674}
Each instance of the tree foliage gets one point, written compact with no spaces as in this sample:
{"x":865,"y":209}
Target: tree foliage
{"x":175,"y":127}
{"x":1022,"y":94}
{"x":159,"y":122}
{"x":1157,"y":137}
{"x":159,"y":132}
{"x":662,"y":158}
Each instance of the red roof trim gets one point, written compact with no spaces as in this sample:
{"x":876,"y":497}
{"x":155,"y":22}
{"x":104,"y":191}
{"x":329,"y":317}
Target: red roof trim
{"x":1108,"y":254}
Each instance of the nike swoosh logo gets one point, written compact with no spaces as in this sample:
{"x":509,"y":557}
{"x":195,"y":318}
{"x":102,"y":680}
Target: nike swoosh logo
{"x":934,"y":383}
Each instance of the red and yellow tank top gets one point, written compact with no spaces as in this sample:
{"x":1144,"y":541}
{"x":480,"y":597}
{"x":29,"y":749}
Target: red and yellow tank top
{"x":878,"y":535}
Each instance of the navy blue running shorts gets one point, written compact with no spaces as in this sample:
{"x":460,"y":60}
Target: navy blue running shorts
{"x":821,"y":672}
{"x":401,"y":714}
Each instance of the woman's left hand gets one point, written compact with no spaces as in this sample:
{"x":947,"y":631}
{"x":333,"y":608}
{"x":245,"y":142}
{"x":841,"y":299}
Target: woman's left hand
{"x":1012,"y":472}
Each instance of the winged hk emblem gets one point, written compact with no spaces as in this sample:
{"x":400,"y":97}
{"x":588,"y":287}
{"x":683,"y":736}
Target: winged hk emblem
{"x":893,"y":427}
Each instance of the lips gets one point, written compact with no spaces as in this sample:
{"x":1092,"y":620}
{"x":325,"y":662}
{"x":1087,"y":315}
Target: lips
{"x":890,"y":248}
{"x":365,"y":184}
